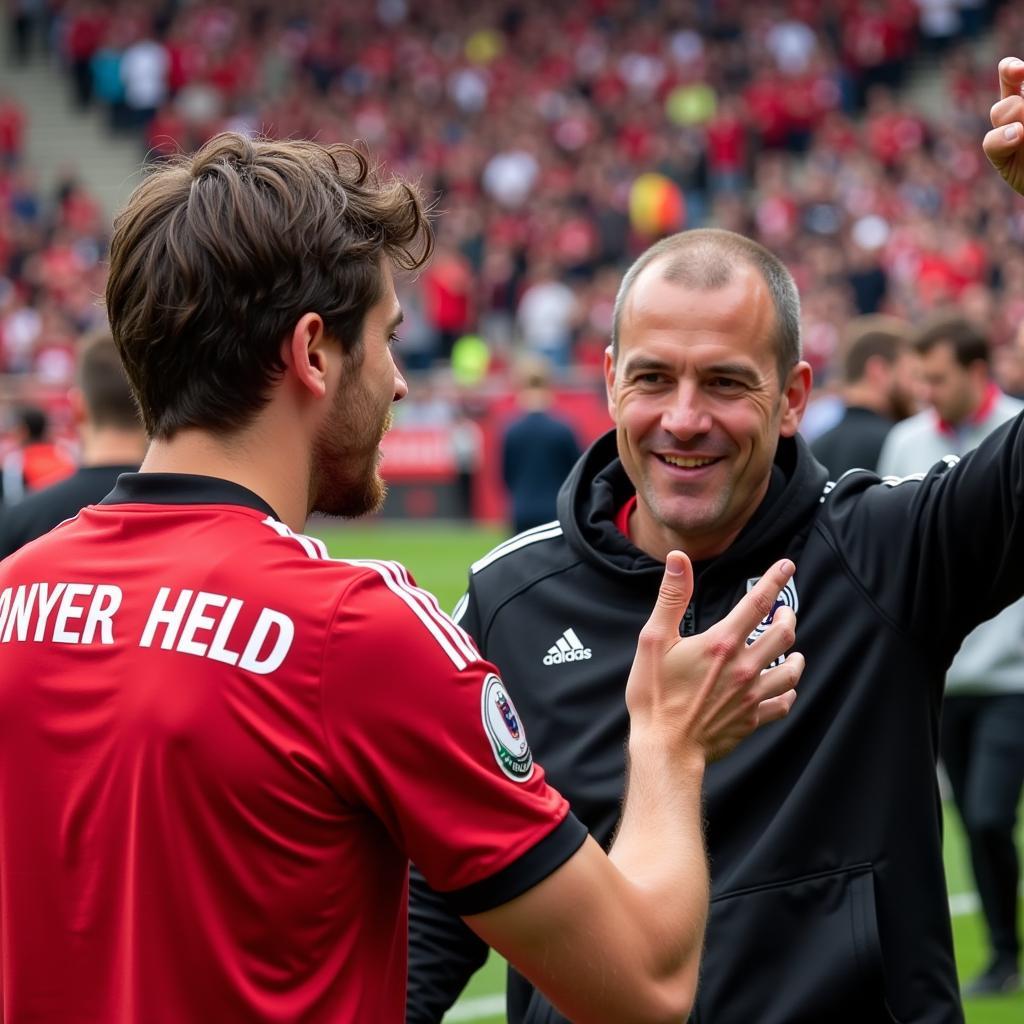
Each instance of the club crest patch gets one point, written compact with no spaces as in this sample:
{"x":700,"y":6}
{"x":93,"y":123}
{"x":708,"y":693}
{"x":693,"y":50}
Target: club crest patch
{"x":505,"y":731}
{"x":787,"y":598}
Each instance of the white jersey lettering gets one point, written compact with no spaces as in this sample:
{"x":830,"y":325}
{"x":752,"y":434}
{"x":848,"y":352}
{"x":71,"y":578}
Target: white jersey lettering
{"x":159,"y":615}
{"x":47,"y":601}
{"x":69,"y":611}
{"x":21,"y":611}
{"x":189,"y":617}
{"x":105,"y":603}
{"x":52,"y":609}
{"x":285,"y":634}
{"x":218,"y":647}
{"x":196,"y":621}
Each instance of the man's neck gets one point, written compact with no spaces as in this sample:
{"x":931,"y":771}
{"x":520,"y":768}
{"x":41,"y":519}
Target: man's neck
{"x":985,"y":400}
{"x":865,"y":397}
{"x":246,"y":458}
{"x":109,"y":446}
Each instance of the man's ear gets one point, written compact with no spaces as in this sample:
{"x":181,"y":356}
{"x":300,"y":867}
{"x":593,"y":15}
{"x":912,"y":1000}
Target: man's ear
{"x":877,"y":369}
{"x":980,"y":373}
{"x":305,"y":353}
{"x":794,"y":398}
{"x":609,"y":381}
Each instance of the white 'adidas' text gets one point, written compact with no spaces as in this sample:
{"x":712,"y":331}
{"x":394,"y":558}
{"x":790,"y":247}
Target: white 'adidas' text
{"x":567,"y":647}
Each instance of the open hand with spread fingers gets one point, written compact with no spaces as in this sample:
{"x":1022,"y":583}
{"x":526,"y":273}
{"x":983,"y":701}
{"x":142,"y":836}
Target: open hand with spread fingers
{"x":1004,"y":144}
{"x":711,"y":690}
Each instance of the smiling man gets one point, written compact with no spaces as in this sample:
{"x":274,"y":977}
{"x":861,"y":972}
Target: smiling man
{"x":701,"y":385}
{"x":824,"y":832}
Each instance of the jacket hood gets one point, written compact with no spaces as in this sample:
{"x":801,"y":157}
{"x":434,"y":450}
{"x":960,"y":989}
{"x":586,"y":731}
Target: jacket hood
{"x":598,"y":487}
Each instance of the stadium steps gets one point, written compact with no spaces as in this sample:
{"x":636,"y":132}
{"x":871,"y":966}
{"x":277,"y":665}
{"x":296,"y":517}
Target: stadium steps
{"x":926,"y":87}
{"x":60,"y":139}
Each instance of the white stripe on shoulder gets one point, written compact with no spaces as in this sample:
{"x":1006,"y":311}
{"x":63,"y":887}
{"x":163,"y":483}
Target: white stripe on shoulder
{"x":450,"y":637}
{"x":543,"y":528}
{"x":895,"y":481}
{"x":460,"y":608}
{"x":313,"y":547}
{"x":429,"y":601}
{"x":522,"y":540}
{"x":830,"y":486}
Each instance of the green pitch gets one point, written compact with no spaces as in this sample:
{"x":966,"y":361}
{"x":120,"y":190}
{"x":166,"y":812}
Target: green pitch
{"x":438,"y":556}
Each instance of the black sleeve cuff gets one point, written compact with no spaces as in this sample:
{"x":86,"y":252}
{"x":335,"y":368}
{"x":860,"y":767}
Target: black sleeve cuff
{"x":532,"y":867}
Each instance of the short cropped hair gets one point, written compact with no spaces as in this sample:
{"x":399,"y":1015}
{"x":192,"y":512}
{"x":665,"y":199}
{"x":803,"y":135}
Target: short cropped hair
{"x":967,"y":340}
{"x":104,"y":386}
{"x":870,"y":337}
{"x":704,"y":259}
{"x":218,"y":255}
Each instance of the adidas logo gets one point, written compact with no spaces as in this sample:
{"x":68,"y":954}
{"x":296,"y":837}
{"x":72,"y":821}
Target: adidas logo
{"x":567,"y":648}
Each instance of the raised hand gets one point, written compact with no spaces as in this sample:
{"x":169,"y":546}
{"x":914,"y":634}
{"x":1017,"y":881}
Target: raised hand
{"x":712,"y":690}
{"x":1004,"y":145}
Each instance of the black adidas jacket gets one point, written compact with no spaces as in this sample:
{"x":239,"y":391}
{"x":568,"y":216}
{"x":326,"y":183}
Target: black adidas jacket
{"x":824,"y":830}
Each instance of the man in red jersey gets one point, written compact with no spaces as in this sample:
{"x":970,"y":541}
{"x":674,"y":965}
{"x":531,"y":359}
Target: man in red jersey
{"x":219,"y":747}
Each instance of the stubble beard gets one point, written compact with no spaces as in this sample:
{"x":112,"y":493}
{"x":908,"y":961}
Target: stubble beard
{"x":697,"y":517}
{"x":345,"y":479}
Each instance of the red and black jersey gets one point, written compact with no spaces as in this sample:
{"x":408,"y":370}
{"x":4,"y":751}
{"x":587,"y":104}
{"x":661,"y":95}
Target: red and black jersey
{"x":219,"y":749}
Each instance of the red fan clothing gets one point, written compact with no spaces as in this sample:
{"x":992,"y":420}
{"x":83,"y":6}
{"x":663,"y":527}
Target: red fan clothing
{"x":219,"y":749}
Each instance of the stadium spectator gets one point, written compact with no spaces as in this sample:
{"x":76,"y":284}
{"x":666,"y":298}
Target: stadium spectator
{"x":834,"y":816}
{"x":1010,"y":366}
{"x":26,"y":20}
{"x":879,"y":389}
{"x":189,"y":746}
{"x":982,"y":736}
{"x":537,"y":450}
{"x":12,"y":131}
{"x":35,"y":461}
{"x":546,"y":316}
{"x":112,"y":443}
{"x":144,"y":67}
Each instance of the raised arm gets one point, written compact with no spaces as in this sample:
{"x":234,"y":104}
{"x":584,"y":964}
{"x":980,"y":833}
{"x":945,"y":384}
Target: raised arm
{"x":1004,"y":144}
{"x":618,"y":937}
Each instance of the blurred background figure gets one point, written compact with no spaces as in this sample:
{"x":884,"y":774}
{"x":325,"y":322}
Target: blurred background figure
{"x":36,"y":461}
{"x":538,"y":450}
{"x":982,"y":733}
{"x":112,"y":442}
{"x":879,"y":388}
{"x":1009,"y":365}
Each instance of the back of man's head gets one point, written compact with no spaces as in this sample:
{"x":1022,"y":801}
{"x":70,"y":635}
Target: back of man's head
{"x":218,"y":255}
{"x":106,"y":393}
{"x":533,"y":376}
{"x":870,"y":338}
{"x":704,"y":259}
{"x":33,"y":423}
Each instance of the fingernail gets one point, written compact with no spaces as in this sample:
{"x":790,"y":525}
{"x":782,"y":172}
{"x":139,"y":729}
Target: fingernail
{"x":1011,"y":132}
{"x":674,"y":564}
{"x":787,"y":567}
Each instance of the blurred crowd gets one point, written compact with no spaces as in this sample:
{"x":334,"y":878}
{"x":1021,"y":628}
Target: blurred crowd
{"x":559,"y":141}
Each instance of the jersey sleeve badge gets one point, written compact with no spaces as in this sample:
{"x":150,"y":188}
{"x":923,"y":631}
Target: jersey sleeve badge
{"x":505,"y":731}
